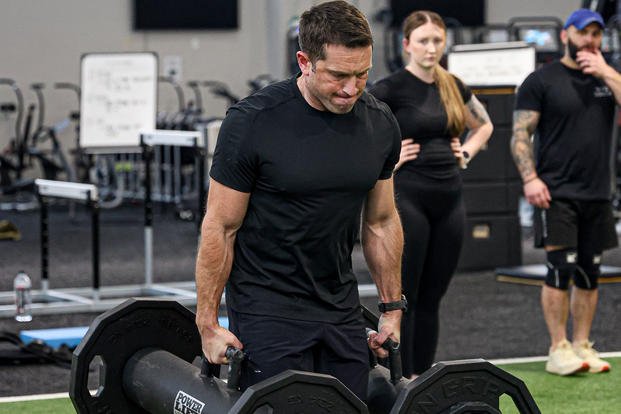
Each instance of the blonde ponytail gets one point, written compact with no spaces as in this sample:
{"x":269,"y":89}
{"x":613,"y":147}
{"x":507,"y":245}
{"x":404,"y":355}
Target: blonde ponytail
{"x":451,"y":100}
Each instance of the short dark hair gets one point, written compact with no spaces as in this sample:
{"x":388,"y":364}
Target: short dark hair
{"x":332,"y":23}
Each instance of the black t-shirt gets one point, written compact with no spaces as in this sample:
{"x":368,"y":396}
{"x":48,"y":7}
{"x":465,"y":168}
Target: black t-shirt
{"x":421,"y":116}
{"x":308,"y":173}
{"x":573,"y":140}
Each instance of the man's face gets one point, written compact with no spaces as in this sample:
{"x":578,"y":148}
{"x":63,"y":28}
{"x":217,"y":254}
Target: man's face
{"x":588,"y":39}
{"x":335,"y":83}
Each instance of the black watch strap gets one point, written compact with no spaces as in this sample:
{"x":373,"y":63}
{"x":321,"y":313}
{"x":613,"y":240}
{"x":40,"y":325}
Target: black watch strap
{"x":391,"y":306}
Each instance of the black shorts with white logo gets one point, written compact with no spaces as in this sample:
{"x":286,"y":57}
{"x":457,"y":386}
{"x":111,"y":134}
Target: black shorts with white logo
{"x":574,"y":223}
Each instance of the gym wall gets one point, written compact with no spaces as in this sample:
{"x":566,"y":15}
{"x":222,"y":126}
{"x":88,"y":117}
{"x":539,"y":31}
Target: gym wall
{"x":42,"y":41}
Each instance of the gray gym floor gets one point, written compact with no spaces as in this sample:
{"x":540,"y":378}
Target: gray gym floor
{"x":480,"y":317}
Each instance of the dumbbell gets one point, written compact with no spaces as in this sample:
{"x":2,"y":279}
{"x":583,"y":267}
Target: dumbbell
{"x":147,"y":348}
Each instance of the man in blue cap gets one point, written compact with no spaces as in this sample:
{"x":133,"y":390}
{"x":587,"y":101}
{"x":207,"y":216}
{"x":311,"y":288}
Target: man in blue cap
{"x":570,"y":105}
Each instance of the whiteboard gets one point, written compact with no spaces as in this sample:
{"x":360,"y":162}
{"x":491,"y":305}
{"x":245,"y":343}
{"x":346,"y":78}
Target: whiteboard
{"x":119,"y":98}
{"x":492,"y":64}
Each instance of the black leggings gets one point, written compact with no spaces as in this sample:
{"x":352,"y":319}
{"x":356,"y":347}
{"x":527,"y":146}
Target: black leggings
{"x":433,"y":220}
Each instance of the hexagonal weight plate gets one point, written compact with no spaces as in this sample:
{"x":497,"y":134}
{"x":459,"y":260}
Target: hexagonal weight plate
{"x":301,"y":393}
{"x":449,"y":384}
{"x":115,"y":336}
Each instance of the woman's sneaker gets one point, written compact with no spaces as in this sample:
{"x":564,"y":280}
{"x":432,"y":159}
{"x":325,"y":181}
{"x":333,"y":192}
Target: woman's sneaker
{"x":589,"y":355}
{"x":564,"y":361}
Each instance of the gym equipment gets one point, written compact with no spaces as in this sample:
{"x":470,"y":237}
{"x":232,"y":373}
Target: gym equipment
{"x":146,"y":349}
{"x":48,"y":300}
{"x":385,"y":384}
{"x":466,"y":386}
{"x":174,"y":120}
{"x":72,"y":191}
{"x":491,"y":33}
{"x":31,"y":352}
{"x":81,"y":162}
{"x":53,"y":162}
{"x":178,"y":139}
{"x":544,"y":32}
{"x":12,"y":158}
{"x":221,"y":90}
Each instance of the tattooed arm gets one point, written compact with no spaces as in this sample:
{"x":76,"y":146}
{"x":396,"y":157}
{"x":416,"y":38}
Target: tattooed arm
{"x":480,"y":129}
{"x":524,"y":125}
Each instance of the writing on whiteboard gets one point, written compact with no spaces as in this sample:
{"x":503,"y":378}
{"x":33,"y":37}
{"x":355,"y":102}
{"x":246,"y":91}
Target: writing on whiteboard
{"x":499,"y":66}
{"x":118,"y":98}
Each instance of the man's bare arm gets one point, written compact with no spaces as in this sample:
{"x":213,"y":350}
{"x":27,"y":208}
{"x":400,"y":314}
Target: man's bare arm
{"x":382,"y":243}
{"x":382,"y":240}
{"x":225,"y":212}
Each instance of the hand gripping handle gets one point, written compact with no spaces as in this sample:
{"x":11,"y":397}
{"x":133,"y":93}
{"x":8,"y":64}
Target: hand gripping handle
{"x":235,"y":357}
{"x":394,"y":357}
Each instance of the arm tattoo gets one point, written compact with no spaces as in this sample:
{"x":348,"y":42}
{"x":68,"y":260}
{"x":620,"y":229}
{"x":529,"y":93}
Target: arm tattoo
{"x":524,"y":124}
{"x":477,"y":110}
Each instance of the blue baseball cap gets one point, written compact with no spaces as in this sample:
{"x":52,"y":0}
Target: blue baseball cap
{"x":581,"y":18}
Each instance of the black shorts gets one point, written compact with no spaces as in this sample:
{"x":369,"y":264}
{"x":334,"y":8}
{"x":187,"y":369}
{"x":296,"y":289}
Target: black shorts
{"x":273,"y":345}
{"x":573,"y":224}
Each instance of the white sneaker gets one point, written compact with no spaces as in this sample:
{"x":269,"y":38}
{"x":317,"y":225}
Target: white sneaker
{"x":589,"y":355}
{"x":564,"y":361}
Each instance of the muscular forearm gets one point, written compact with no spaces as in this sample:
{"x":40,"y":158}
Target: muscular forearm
{"x":213,"y":265}
{"x":382,"y":246}
{"x":524,"y":124}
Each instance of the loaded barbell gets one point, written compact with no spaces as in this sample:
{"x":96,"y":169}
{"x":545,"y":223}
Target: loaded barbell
{"x":147,"y":349}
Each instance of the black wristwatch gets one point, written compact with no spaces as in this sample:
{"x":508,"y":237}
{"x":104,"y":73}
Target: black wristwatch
{"x":466,"y":157}
{"x":391,"y":306}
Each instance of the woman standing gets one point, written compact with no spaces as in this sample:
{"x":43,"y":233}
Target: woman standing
{"x":433,"y":109}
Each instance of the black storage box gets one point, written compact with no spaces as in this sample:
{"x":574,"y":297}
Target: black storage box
{"x":491,"y":241}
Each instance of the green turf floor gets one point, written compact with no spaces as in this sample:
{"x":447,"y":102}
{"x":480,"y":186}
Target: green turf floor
{"x":578,"y":394}
{"x":56,"y":406}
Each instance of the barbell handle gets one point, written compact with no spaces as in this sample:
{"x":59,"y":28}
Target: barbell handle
{"x":394,"y":357}
{"x":235,"y":357}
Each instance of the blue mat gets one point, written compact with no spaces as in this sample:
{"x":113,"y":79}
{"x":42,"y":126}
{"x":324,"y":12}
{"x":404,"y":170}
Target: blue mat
{"x":55,"y":337}
{"x":70,"y":336}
